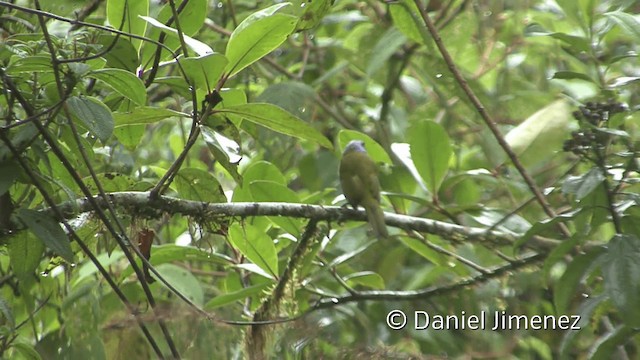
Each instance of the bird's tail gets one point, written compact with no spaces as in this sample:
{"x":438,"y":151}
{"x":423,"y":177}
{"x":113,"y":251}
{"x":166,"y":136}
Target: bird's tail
{"x":375,"y":216}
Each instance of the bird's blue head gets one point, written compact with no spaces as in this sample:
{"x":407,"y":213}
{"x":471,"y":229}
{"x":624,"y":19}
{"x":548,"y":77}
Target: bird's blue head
{"x":354,"y":145}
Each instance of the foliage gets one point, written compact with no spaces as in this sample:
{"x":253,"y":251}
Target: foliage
{"x":142,"y":143}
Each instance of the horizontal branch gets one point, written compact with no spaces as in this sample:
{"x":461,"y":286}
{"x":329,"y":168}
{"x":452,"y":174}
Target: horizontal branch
{"x":140,"y":203}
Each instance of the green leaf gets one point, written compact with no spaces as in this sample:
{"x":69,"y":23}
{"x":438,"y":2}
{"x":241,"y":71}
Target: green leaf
{"x":312,"y":13}
{"x":423,"y":250}
{"x":263,"y":191}
{"x":95,"y":115}
{"x":123,"y":82}
{"x":256,"y":245}
{"x":129,"y":135}
{"x":9,"y":172}
{"x":375,"y":151}
{"x":124,"y":15}
{"x":48,"y":231}
{"x":259,"y":170}
{"x":369,"y":279}
{"x":585,"y":312}
{"x":430,"y":151}
{"x":25,"y":252}
{"x":279,"y":120}
{"x":197,"y":46}
{"x":295,"y":97}
{"x":27,"y":351}
{"x":578,"y":43}
{"x":572,"y":75}
{"x":226,"y":151}
{"x":144,"y":115}
{"x":37,"y":63}
{"x":608,"y":345}
{"x":541,"y":134}
{"x":256,"y":36}
{"x":629,"y":23}
{"x":242,"y":294}
{"x":204,"y":71}
{"x":199,"y":185}
{"x":621,"y":271}
{"x":388,"y":43}
{"x":406,"y":17}
{"x":114,"y":182}
{"x":583,"y":185}
{"x":5,"y":310}
{"x":183,"y":281}
{"x":265,"y":171}
{"x":565,"y":288}
{"x":121,"y":55}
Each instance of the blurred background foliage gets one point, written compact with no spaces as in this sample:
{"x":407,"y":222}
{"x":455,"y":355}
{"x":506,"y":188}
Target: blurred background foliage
{"x":559,"y":78}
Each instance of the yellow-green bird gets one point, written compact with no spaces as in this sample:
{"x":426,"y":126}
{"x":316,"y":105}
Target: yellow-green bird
{"x":360,"y":185}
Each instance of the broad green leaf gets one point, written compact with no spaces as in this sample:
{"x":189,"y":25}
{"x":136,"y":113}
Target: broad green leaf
{"x":48,"y":231}
{"x":541,"y":134}
{"x":296,"y":97}
{"x":579,"y":43}
{"x":629,"y":23}
{"x":312,"y":13}
{"x":264,"y":171}
{"x":95,"y":115}
{"x":183,"y":281}
{"x":583,"y":185}
{"x":423,"y":250}
{"x":259,"y":170}
{"x":403,"y":152}
{"x":572,"y":75}
{"x":608,"y":345}
{"x":375,"y":151}
{"x":123,"y":82}
{"x":199,"y":185}
{"x":191,"y":19}
{"x":406,"y":17}
{"x":226,"y":151}
{"x":9,"y":172}
{"x":228,"y":298}
{"x":204,"y":71}
{"x":256,"y":245}
{"x":25,"y":252}
{"x":197,"y":46}
{"x":279,"y":120}
{"x":144,"y":115}
{"x":26,"y":350}
{"x":343,"y":258}
{"x":386,"y":46}
{"x":621,"y":271}
{"x":585,"y":312}
{"x":121,"y":54}
{"x":123,"y":15}
{"x":129,"y":135}
{"x":564,"y":289}
{"x":115,"y":182}
{"x":262,"y":191}
{"x":89,"y":268}
{"x":256,"y":36}
{"x":430,"y":151}
{"x":37,"y":63}
{"x":369,"y":279}
{"x":7,"y":313}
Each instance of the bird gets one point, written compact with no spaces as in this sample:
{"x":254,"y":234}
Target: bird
{"x":360,"y":185}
